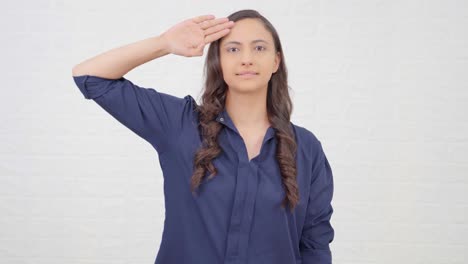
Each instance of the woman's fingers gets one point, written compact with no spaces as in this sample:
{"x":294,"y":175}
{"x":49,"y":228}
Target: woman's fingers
{"x":217,"y":35}
{"x":219,"y":27}
{"x":210,"y":23}
{"x":202,"y":18}
{"x":213,"y":29}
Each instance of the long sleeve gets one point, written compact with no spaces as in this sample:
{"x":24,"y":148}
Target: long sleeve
{"x":152,"y":115}
{"x":318,"y":233}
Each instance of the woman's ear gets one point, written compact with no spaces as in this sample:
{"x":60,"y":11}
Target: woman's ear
{"x":277,"y":61}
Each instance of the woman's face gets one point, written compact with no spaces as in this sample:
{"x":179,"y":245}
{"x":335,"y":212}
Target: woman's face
{"x":248,"y":47}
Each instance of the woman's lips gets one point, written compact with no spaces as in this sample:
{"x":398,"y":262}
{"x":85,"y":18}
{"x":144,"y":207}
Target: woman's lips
{"x":247,"y":74}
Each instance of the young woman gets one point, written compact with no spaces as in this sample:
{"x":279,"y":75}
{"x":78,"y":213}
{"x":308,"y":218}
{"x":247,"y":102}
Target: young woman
{"x":232,"y":164}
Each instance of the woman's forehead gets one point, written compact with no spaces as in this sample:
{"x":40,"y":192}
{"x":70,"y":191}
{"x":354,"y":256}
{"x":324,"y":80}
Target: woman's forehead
{"x":247,"y":31}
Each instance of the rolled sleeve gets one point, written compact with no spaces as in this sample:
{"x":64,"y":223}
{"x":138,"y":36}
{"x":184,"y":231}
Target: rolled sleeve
{"x":152,"y":115}
{"x":318,"y":233}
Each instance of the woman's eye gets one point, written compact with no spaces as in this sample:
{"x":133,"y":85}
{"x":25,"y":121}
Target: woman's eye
{"x":258,"y":48}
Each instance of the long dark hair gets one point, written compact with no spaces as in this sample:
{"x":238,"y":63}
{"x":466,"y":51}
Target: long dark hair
{"x":279,"y":108}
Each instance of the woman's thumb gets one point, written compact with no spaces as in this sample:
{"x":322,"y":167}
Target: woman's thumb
{"x":200,"y":49}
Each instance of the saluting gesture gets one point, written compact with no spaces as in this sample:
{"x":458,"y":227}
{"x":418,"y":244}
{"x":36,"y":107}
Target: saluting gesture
{"x":189,"y":37}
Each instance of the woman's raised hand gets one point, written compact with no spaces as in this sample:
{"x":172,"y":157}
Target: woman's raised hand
{"x":189,"y":37}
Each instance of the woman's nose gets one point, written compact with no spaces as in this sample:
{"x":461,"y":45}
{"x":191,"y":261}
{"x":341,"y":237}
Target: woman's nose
{"x":246,"y":58}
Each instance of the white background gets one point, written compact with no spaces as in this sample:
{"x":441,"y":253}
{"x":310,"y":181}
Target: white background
{"x":382,"y":84}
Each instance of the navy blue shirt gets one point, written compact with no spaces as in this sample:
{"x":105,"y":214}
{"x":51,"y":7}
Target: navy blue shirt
{"x":236,"y":218}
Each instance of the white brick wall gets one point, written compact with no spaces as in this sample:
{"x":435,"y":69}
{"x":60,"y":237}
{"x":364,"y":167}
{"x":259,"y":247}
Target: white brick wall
{"x":382,"y":84}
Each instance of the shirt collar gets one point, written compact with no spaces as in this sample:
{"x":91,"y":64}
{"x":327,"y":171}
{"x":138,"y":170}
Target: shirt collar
{"x":224,"y":118}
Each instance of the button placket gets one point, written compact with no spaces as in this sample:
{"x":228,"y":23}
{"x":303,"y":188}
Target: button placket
{"x":235,"y":229}
{"x":249,"y":208}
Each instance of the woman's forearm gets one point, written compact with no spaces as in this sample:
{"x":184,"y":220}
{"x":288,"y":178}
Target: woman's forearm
{"x":116,"y":62}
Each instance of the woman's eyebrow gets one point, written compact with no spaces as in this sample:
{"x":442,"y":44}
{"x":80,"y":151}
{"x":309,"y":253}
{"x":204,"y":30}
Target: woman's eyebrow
{"x":238,"y":43}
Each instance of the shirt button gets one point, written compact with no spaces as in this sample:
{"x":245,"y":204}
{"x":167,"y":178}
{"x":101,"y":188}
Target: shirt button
{"x":221,"y":119}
